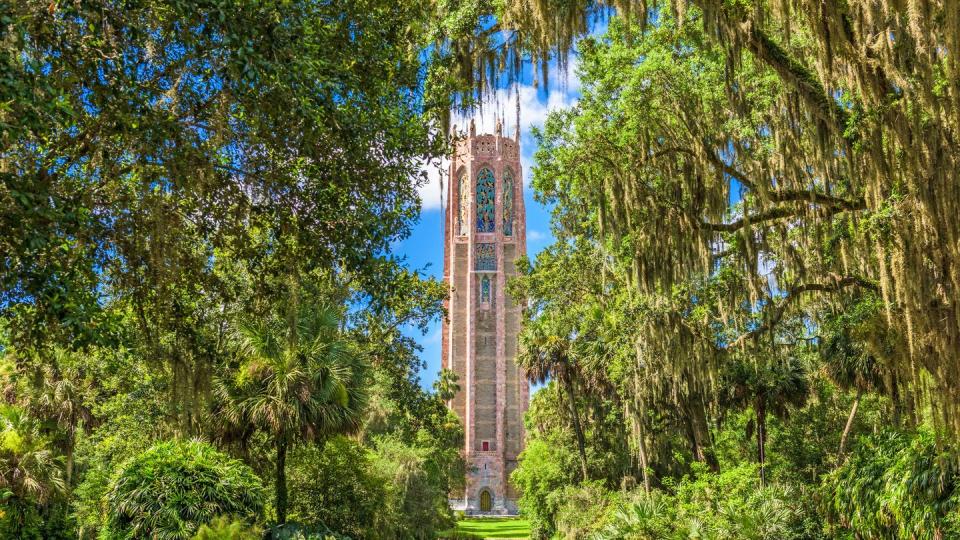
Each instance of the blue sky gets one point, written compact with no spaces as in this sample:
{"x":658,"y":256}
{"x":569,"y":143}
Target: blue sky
{"x":424,"y":248}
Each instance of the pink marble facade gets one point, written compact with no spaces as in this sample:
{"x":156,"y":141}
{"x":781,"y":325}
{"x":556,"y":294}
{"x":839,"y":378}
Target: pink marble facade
{"x":479,"y":334}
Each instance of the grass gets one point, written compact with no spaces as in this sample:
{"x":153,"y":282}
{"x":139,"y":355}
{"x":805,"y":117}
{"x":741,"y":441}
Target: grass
{"x":480,"y":528}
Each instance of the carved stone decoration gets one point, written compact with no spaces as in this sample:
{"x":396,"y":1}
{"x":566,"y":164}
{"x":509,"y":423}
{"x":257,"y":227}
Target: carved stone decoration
{"x":463,"y":209}
{"x":485,"y":257}
{"x":506,"y":202}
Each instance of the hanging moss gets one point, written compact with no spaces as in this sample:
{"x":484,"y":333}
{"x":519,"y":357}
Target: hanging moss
{"x":839,"y":122}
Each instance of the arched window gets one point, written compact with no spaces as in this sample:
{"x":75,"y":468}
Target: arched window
{"x":486,"y":193}
{"x":507,"y":202}
{"x":463,"y":216}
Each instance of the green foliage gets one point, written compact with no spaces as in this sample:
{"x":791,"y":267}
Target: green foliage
{"x":545,"y":468}
{"x":418,"y":481}
{"x":173,"y":488}
{"x":728,"y":505}
{"x":226,"y":528}
{"x":896,"y":485}
{"x":295,"y":531}
{"x":30,"y":476}
{"x":299,"y":379}
{"x":335,"y":485}
{"x":179,"y":133}
{"x":582,"y":510}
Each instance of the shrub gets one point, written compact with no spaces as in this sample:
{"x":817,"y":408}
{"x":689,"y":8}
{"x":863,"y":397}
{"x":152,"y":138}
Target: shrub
{"x":642,"y":517}
{"x":225,"y":528}
{"x":896,"y":483}
{"x":545,"y":468}
{"x":417,"y":480}
{"x":581,"y":510}
{"x":169,"y":490}
{"x":334,"y":486}
{"x":730,"y":504}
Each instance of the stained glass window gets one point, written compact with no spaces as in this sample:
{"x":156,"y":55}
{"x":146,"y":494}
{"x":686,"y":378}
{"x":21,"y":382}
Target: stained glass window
{"x":507,"y":202}
{"x":485,"y":290}
{"x":486,"y":192}
{"x":463,"y":217}
{"x":485,"y":257}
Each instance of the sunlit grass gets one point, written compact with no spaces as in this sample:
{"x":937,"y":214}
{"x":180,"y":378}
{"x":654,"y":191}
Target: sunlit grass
{"x":491,"y":528}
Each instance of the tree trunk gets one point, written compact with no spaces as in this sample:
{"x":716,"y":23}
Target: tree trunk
{"x":281,"y":487}
{"x":761,"y":440}
{"x":642,"y":448}
{"x":578,"y":430}
{"x":68,"y":465}
{"x":846,"y":429}
{"x":698,"y":433}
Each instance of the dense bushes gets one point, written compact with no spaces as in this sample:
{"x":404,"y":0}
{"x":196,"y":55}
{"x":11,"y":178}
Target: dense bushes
{"x":544,"y":469}
{"x":896,"y":485}
{"x":416,"y":476}
{"x":726,"y":505}
{"x":173,"y":488}
{"x":334,"y":485}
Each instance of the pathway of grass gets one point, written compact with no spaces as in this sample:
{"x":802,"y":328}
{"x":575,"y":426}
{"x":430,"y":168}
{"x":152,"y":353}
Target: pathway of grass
{"x":492,"y":528}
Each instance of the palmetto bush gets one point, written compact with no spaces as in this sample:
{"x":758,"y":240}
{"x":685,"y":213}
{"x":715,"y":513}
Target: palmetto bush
{"x":730,"y":505}
{"x":226,"y":528}
{"x":173,"y":488}
{"x":902,"y":485}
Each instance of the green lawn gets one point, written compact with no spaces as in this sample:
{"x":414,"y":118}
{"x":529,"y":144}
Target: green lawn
{"x":492,"y":528}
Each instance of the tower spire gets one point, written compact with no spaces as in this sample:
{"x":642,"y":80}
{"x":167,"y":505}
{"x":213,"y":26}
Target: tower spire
{"x":516,"y":133}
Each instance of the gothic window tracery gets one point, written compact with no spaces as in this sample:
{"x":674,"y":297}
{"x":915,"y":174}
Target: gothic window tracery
{"x":485,"y":257}
{"x":507,"y":202}
{"x":463,"y":216}
{"x":486,"y":194}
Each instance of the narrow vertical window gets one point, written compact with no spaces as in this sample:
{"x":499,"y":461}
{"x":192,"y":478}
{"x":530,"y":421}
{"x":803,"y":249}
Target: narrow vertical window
{"x":485,"y":290}
{"x":463,"y":217}
{"x":507,"y":202}
{"x":486,"y":194}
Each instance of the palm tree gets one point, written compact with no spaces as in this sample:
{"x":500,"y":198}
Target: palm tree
{"x":545,"y":354}
{"x":29,"y":472}
{"x":768,"y":389}
{"x":447,"y":385}
{"x":60,"y":400}
{"x":299,"y":380}
{"x":850,"y":367}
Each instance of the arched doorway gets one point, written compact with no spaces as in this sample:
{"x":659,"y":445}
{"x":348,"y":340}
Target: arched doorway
{"x":486,"y":501}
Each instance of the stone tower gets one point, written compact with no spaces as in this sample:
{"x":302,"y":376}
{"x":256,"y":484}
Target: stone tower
{"x":485,"y":233}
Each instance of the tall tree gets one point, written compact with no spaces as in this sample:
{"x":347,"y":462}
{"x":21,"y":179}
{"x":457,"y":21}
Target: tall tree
{"x":545,"y":354}
{"x":299,"y":380}
{"x":767,"y":388}
{"x":145,"y":143}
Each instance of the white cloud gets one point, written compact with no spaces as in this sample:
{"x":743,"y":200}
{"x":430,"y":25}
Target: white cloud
{"x":430,"y":194}
{"x":534,"y":235}
{"x":535,"y":104}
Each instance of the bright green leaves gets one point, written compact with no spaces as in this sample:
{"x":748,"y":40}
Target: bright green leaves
{"x":172,"y":488}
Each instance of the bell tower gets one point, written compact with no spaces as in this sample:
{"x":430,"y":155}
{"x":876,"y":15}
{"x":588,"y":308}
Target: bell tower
{"x":484,"y":234}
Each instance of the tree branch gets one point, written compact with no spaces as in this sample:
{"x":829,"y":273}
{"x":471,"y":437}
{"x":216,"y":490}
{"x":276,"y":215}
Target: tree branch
{"x":835,"y":283}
